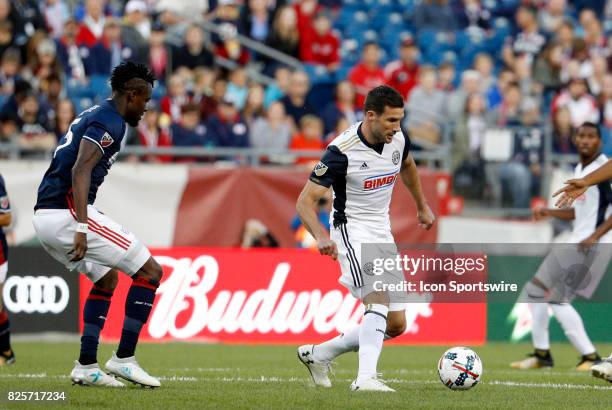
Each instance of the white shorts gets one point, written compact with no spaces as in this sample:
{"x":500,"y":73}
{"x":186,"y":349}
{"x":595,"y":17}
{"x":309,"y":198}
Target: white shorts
{"x":3,"y":271}
{"x":109,"y":245}
{"x":349,"y":240}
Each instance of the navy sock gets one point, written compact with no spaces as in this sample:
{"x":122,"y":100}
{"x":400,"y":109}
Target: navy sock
{"x":5,"y":332}
{"x":138,"y":306}
{"x":94,"y":317}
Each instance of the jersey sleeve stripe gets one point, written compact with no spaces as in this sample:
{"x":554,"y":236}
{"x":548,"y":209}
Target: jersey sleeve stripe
{"x":95,"y":142}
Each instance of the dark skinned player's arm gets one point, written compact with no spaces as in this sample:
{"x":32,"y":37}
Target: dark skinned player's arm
{"x":5,"y":219}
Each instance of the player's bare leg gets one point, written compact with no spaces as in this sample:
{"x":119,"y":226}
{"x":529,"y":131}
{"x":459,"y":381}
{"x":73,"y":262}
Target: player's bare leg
{"x":87,"y":371}
{"x":7,"y":356}
{"x":138,"y":305}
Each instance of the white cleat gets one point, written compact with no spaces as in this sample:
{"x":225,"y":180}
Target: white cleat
{"x":92,"y":375}
{"x":603,"y":370}
{"x":370,"y":384}
{"x":319,"y":371}
{"x":128,"y":368}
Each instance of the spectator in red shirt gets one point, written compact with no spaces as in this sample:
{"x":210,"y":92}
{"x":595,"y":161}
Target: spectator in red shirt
{"x":177,"y":96}
{"x":319,"y":44}
{"x":310,"y":137}
{"x":92,"y":26}
{"x":230,"y":48}
{"x":402,"y":74}
{"x":368,"y":73}
{"x":154,"y":133}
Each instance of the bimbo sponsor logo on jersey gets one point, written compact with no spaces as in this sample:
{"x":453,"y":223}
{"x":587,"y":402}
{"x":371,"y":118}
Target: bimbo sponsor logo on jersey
{"x":379,"y":181}
{"x":36,"y":294}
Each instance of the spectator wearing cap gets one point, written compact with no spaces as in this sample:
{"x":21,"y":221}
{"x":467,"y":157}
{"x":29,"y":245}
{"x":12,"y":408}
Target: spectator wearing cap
{"x":582,"y":106}
{"x":402,"y":74}
{"x":368,"y":73}
{"x":343,"y":106}
{"x":228,"y":127}
{"x":528,"y":42}
{"x":194,"y":53}
{"x":153,"y":132}
{"x":92,"y":27}
{"x":109,"y":51}
{"x":56,"y":14}
{"x":426,"y":109}
{"x":319,"y":44}
{"x":229,"y":46}
{"x":136,"y":29}
{"x":295,"y":102}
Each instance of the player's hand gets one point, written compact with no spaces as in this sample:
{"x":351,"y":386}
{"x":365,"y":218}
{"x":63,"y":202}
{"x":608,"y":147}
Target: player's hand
{"x":573,"y":189}
{"x":426,"y":217}
{"x":80,"y":247}
{"x":540,"y":213}
{"x":586,"y":244}
{"x":328,"y":247}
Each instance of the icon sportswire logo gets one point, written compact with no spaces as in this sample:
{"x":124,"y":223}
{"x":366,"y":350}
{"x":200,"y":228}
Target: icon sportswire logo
{"x":189,"y":304}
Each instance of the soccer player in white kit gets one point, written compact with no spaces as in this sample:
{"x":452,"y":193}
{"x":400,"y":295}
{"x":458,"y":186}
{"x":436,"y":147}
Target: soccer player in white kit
{"x":592,"y":216}
{"x":361,"y":165}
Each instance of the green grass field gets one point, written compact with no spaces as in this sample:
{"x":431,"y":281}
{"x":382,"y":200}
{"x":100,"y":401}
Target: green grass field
{"x":215,"y":376}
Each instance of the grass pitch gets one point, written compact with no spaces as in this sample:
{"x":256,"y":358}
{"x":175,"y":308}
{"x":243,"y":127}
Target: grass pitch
{"x":216,"y":376}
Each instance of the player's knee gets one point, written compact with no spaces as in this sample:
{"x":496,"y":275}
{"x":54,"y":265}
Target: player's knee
{"x":152,"y":271}
{"x":395,"y":329}
{"x":109,"y":281}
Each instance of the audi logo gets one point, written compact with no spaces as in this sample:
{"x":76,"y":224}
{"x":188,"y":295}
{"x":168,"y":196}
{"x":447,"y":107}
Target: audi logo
{"x":36,"y":294}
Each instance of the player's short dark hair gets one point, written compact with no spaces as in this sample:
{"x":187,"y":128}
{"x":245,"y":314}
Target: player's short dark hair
{"x":383,"y":96}
{"x":592,"y":125}
{"x":128,"y":70}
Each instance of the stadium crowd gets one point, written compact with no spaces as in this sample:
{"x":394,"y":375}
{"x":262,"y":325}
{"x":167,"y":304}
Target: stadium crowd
{"x":465,"y":67}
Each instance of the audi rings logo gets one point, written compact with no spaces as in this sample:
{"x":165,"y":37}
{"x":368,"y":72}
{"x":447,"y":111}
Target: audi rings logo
{"x":36,"y":294}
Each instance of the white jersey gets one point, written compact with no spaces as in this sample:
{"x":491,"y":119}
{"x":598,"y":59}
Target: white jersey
{"x":593,"y":207}
{"x":362,"y":177}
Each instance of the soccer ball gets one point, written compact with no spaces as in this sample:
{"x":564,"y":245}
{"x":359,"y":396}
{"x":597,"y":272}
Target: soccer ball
{"x":460,"y":368}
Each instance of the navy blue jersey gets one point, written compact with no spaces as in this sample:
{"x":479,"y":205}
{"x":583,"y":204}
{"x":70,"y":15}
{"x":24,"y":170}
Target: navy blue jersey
{"x":5,"y":206}
{"x":101,"y":124}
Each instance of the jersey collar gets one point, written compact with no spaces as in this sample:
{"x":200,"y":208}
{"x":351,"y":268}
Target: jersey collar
{"x":376,"y":147}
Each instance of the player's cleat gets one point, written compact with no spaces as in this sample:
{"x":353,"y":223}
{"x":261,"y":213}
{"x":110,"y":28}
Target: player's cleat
{"x":588,"y":361}
{"x":370,"y":384}
{"x":92,"y":375}
{"x":128,"y":368}
{"x":7,"y":358}
{"x":319,"y":371}
{"x":534,"y":361}
{"x":603,"y":370}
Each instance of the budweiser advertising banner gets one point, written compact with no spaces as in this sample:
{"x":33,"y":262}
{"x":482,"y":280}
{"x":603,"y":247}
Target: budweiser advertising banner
{"x":271,"y":296}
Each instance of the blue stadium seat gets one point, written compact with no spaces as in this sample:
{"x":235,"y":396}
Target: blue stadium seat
{"x":318,"y":74}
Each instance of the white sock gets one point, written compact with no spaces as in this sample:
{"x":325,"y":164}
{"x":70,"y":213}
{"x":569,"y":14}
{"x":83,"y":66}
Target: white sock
{"x":371,"y":335}
{"x":572,"y":325}
{"x":539,"y":325}
{"x":345,"y":342}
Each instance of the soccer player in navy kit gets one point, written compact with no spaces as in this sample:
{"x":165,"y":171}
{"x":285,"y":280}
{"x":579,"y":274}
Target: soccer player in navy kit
{"x":6,"y":353}
{"x":78,"y":235}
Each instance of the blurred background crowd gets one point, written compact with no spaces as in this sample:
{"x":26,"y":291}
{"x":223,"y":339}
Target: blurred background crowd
{"x":282,"y":75}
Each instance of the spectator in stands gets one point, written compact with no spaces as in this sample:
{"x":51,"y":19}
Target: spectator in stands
{"x":582,"y":106}
{"x":436,"y":15}
{"x":136,"y":29}
{"x":283,"y":37}
{"x":484,"y":65}
{"x":227,"y":12}
{"x":295,"y":102}
{"x":528,"y":42}
{"x":159,"y":53}
{"x":194,"y":53}
{"x":210,"y":103}
{"x":402,"y":74}
{"x":507,"y":114}
{"x":547,"y":69}
{"x":255,"y":20}
{"x":305,"y":11}
{"x":9,"y":73}
{"x":594,"y":36}
{"x":35,"y":133}
{"x":227,"y":126}
{"x":189,"y":130}
{"x":65,"y":114}
{"x":563,"y":132}
{"x":43,"y":65}
{"x":238,"y":88}
{"x":605,"y":108}
{"x":342,"y":107}
{"x":9,"y":131}
{"x":72,"y":56}
{"x":600,"y":69}
{"x":257,"y":235}
{"x":29,"y":15}
{"x":177,"y":97}
{"x":470,"y":84}
{"x":92,"y":27}
{"x":368,"y":73}
{"x":469,"y":134}
{"x":229,"y":47}
{"x":52,"y":94}
{"x":552,"y":15}
{"x":310,"y":137}
{"x":109,"y":51}
{"x":319,"y":44}
{"x":254,"y":108}
{"x":272,"y":131}
{"x":565,"y":37}
{"x":203,"y":82}
{"x":6,"y":36}
{"x":21,"y":89}
{"x":426,"y":109}
{"x":278,"y":89}
{"x":184,"y":12}
{"x":151,"y":132}
{"x":473,"y":15}
{"x":446,"y":77}
{"x":579,"y":64}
